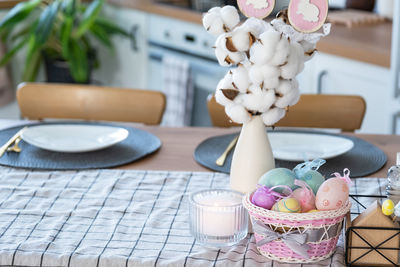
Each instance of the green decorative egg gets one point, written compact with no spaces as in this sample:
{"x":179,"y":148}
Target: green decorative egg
{"x":278,"y":176}
{"x":314,"y":179}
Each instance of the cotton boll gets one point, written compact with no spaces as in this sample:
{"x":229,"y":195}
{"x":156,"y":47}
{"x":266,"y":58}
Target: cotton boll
{"x":258,"y":55}
{"x":284,"y":87}
{"x":224,"y":56}
{"x":230,"y":16}
{"x":221,"y":55}
{"x":309,"y":49}
{"x":213,"y":23}
{"x":264,"y":74}
{"x":226,"y":82}
{"x":242,"y":39}
{"x":237,"y":113}
{"x":260,"y":102}
{"x":240,"y":78}
{"x":288,"y":99}
{"x":272,"y":116}
{"x":281,"y":52}
{"x":292,"y":67}
{"x":257,"y":26}
{"x":221,"y":98}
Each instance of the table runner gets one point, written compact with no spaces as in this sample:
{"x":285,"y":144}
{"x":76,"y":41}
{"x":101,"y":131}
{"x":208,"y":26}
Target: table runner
{"x":116,"y":218}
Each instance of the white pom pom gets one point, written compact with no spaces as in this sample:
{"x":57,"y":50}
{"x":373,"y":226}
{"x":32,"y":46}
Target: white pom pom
{"x":288,"y":99}
{"x":237,"y":113}
{"x":230,"y":16}
{"x":241,"y":79}
{"x":272,"y":116}
{"x":260,"y":102}
{"x":281,"y":52}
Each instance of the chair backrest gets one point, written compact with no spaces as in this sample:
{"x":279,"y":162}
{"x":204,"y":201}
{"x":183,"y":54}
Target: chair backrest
{"x":312,"y":111}
{"x":71,"y":101}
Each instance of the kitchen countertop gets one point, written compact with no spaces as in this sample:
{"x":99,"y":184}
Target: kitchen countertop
{"x":369,"y":43}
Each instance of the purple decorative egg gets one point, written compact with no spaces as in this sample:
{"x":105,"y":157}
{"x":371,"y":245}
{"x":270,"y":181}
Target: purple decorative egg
{"x":264,"y":198}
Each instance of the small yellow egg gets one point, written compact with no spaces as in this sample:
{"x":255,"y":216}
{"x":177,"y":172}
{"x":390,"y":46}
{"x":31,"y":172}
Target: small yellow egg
{"x":388,"y":207}
{"x":289,"y":205}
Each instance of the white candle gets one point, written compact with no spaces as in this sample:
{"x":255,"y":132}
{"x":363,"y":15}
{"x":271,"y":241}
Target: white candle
{"x":218,"y":217}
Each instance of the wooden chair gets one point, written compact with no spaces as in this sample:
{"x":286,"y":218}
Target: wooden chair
{"x":69,"y":101}
{"x":312,"y":111}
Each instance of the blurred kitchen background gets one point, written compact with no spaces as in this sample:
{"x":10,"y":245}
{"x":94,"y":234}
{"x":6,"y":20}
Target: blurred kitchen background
{"x":167,"y":37}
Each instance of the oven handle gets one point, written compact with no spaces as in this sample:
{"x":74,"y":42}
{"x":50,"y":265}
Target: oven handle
{"x":194,"y":67}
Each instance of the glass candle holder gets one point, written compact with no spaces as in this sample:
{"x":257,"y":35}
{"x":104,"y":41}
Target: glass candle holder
{"x":217,"y":217}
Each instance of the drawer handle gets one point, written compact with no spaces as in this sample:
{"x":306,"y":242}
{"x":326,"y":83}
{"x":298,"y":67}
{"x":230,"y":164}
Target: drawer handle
{"x":321,"y":75}
{"x":396,"y":117}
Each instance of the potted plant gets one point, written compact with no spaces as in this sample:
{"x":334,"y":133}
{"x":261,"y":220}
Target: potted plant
{"x":60,"y":33}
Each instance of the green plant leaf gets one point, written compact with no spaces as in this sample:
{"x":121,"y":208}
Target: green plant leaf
{"x":46,"y":22}
{"x":78,"y":62}
{"x":66,"y":30}
{"x":89,"y":17}
{"x":18,"y":13}
{"x":8,"y":56}
{"x":110,"y":27}
{"x":69,"y":7}
{"x":32,"y":66}
{"x":24,"y":31}
{"x":101,"y":35}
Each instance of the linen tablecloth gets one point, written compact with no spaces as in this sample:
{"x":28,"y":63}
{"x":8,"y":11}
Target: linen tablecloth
{"x":116,"y":218}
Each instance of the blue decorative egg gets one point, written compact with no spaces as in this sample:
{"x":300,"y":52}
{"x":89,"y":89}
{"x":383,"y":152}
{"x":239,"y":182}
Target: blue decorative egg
{"x":278,"y":176}
{"x":314,"y":179}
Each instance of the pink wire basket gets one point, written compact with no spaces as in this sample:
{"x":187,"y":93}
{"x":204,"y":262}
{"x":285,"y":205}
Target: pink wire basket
{"x":296,"y":237}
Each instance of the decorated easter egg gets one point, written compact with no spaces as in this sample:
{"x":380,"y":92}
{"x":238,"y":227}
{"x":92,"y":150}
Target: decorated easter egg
{"x":278,"y":176}
{"x":388,"y":207}
{"x":308,"y":15}
{"x":289,"y":205}
{"x":305,"y":197}
{"x":314,"y":179}
{"x":332,"y":194}
{"x":264,"y":198}
{"x":256,"y":8}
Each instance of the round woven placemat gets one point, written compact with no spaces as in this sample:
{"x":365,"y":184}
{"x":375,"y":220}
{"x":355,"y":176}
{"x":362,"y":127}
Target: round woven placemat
{"x":364,"y":159}
{"x":136,"y":146}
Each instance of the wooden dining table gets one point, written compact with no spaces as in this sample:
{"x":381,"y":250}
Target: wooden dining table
{"x":178,"y":145}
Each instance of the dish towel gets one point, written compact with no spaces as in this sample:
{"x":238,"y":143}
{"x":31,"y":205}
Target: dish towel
{"x":178,"y":88}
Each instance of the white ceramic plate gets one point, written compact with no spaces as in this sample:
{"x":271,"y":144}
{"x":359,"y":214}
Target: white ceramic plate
{"x":73,"y":138}
{"x":306,"y":146}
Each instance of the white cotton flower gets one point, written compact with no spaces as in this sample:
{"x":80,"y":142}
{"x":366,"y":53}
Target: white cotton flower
{"x":259,"y":102}
{"x":241,"y":79}
{"x":262,"y":51}
{"x":256,"y":26}
{"x":242,"y":39}
{"x":224,"y":56}
{"x":221,"y":99}
{"x":295,"y":62}
{"x":288,"y":99}
{"x":230,"y":16}
{"x":237,"y":113}
{"x":281,"y":52}
{"x":286,"y":86}
{"x":272,"y":116}
{"x":265,"y":75}
{"x":225,"y":83}
{"x":213,"y":23}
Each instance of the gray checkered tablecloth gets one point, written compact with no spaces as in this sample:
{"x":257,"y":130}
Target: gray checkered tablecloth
{"x":116,"y":218}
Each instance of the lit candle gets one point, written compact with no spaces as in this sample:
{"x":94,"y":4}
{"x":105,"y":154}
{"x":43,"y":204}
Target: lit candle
{"x":217,"y":217}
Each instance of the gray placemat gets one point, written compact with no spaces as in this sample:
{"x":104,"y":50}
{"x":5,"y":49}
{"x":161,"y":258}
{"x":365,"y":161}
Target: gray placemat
{"x":364,"y":159}
{"x":136,"y":146}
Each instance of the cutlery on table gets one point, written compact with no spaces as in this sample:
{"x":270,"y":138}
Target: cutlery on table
{"x":4,"y":148}
{"x":221,"y":160}
{"x":15,"y":147}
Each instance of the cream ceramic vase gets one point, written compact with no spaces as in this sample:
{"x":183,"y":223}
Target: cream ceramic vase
{"x":252,"y":156}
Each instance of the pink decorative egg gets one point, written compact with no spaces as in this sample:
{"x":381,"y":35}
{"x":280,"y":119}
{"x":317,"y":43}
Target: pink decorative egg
{"x":308,"y":15}
{"x":332,"y":194}
{"x":256,"y":8}
{"x":305,"y":198}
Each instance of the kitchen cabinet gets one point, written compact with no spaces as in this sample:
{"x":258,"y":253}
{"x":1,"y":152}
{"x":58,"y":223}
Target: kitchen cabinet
{"x":337,"y":75}
{"x":126,"y":65}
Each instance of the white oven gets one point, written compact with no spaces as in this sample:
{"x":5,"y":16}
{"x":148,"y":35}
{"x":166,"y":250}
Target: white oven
{"x":189,"y":42}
